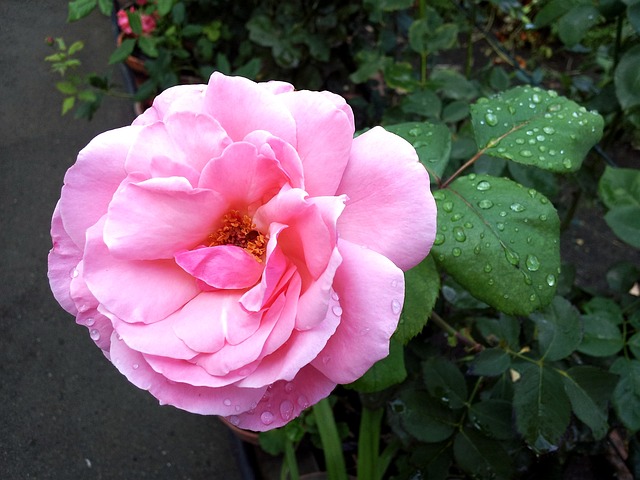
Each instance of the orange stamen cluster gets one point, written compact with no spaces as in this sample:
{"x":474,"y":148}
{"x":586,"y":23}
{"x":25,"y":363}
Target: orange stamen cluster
{"x":240,"y":231}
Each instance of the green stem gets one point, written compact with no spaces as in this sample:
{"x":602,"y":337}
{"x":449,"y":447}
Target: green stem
{"x":438,"y":320}
{"x":330,"y":439}
{"x":386,"y":456}
{"x":290,"y":459}
{"x":369,"y":443}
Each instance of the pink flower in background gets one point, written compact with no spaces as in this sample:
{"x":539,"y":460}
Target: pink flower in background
{"x":148,"y":22}
{"x":236,"y":252}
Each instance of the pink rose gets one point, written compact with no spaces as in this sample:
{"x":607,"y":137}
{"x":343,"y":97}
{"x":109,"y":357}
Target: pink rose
{"x":236,"y":252}
{"x":148,"y":22}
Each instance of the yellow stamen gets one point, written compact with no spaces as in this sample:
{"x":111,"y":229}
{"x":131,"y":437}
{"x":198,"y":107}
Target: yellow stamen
{"x":239,"y":230}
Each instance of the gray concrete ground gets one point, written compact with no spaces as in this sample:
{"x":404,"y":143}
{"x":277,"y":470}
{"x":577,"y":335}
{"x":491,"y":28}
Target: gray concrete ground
{"x":65,"y":411}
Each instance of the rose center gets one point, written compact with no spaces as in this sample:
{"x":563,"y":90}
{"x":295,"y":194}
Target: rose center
{"x":239,"y":230}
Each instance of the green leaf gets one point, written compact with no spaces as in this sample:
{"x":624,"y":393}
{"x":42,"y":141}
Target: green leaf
{"x":455,"y":111}
{"x":627,"y":78}
{"x":535,"y":127}
{"x":606,"y":307}
{"x":558,"y":329}
{"x":422,"y":286}
{"x":68,"y":88}
{"x":135,"y":21}
{"x":423,"y":417}
{"x":541,"y":406}
{"x":625,"y":223}
{"x":80,"y":8}
{"x":391,"y":5}
{"x":106,"y":6}
{"x":551,"y":12}
{"x":164,"y":6}
{"x":148,"y":45}
{"x":123,"y":51}
{"x":634,"y":345}
{"x":499,"y":240}
{"x":633,"y":14}
{"x":481,"y":457}
{"x":490,"y":362}
{"x":504,"y":331}
{"x":575,"y":24}
{"x":445,"y":382}
{"x":493,"y":418}
{"x":67,"y":104}
{"x":602,"y":338}
{"x":454,"y":85}
{"x":384,"y":373}
{"x":620,"y":187}
{"x":587,"y":387}
{"x":626,"y":395}
{"x":422,"y":102}
{"x":75,"y":47}
{"x":431,"y":141}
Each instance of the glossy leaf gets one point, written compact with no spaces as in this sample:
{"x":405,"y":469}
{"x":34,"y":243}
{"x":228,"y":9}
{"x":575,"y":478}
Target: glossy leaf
{"x":627,"y":78}
{"x":626,"y":395}
{"x":634,"y":345}
{"x":423,"y":417}
{"x":588,"y":389}
{"x":575,"y":24}
{"x":431,"y":141}
{"x":445,"y":382}
{"x":80,"y":8}
{"x":620,"y":187}
{"x":625,"y":222}
{"x":481,"y":457}
{"x":602,"y":338}
{"x":493,"y":418}
{"x":422,"y":286}
{"x":490,"y":362}
{"x":423,"y":102}
{"x":541,"y":406}
{"x":558,"y":329}
{"x":499,"y":240}
{"x":535,"y":127}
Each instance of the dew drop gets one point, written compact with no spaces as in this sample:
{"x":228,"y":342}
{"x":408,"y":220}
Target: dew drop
{"x":526,"y":153}
{"x":266,"y":418}
{"x":551,"y":279}
{"x":472,"y":176}
{"x":135,"y":366}
{"x":337,"y":311}
{"x":396,"y":306}
{"x":532,"y":297}
{"x":74,"y":273}
{"x":234,"y":420}
{"x":459,"y":235}
{"x":549,"y":130}
{"x":447,"y":206}
{"x":477,"y":249}
{"x":286,"y":410}
{"x":543,"y":217}
{"x":483,"y":185}
{"x":303,"y":401}
{"x":491,"y":119}
{"x":289,"y":387}
{"x":468,"y":225}
{"x":456,"y":252}
{"x":541,"y":138}
{"x":520,"y":141}
{"x":227,"y":402}
{"x":527,"y":278}
{"x":488,"y":268}
{"x":89,"y":321}
{"x":455,"y":217}
{"x":532,"y":263}
{"x":485,"y":204}
{"x":335,"y":296}
{"x":517,"y":207}
{"x":94,"y":334}
{"x":83,"y":308}
{"x":512,"y":257}
{"x":567,"y":163}
{"x":500,"y":226}
{"x":394,"y":283}
{"x":438,"y":195}
{"x":535,"y":98}
{"x":414,"y":132}
{"x":439,"y":240}
{"x":503,"y":213}
{"x":490,"y":281}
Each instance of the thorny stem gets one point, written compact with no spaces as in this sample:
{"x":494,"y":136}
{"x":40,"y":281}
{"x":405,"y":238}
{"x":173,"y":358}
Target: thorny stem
{"x":467,"y":340}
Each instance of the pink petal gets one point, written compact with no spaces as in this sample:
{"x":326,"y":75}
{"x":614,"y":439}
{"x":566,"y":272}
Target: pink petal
{"x":276,"y":86}
{"x":153,"y":141}
{"x":242,"y":106}
{"x":63,"y":261}
{"x":324,"y":137}
{"x":92,"y":180}
{"x":224,"y":266}
{"x":287,"y":157}
{"x":180,"y":98}
{"x":134,"y":290}
{"x":166,"y":167}
{"x":201,"y":400}
{"x":285,"y":400}
{"x":371,"y":293}
{"x":156,"y":218}
{"x":390,"y":207}
{"x":243,"y":177}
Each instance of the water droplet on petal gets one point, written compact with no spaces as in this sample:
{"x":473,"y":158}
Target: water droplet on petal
{"x":266,"y":418}
{"x":89,"y":321}
{"x":396,"y":306}
{"x":335,"y":296}
{"x":94,"y":334}
{"x":234,"y":420}
{"x":286,"y":410}
{"x":394,"y":283}
{"x":135,"y":366}
{"x":532,"y":263}
{"x":337,"y":310}
{"x":74,"y":273}
{"x":227,"y":402}
{"x":289,"y":387}
{"x":303,"y":401}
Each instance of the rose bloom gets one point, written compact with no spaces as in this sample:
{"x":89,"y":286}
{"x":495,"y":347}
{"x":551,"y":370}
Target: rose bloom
{"x":236,"y":252}
{"x":148,"y":22}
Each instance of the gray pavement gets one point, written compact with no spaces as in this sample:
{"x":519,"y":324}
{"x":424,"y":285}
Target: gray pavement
{"x":65,"y":411}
